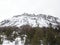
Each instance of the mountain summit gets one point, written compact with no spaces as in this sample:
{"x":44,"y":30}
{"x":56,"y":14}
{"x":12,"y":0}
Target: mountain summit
{"x":32,"y":20}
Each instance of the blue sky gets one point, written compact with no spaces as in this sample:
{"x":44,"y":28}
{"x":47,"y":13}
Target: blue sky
{"x":8,"y":8}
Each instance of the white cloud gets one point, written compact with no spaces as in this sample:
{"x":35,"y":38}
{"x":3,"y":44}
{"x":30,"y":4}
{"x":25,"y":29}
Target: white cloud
{"x":8,"y":8}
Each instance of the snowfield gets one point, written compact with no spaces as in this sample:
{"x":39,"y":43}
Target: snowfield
{"x":16,"y":42}
{"x":31,"y":19}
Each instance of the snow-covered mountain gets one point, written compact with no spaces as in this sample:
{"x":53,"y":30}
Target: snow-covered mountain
{"x":31,"y":19}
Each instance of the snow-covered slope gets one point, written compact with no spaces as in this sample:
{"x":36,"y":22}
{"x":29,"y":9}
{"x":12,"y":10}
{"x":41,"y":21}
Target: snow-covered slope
{"x":31,"y":19}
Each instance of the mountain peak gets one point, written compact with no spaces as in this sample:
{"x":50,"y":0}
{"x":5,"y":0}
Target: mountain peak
{"x":31,"y":19}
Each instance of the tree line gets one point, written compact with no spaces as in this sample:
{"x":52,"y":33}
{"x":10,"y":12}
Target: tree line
{"x":34,"y":35}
